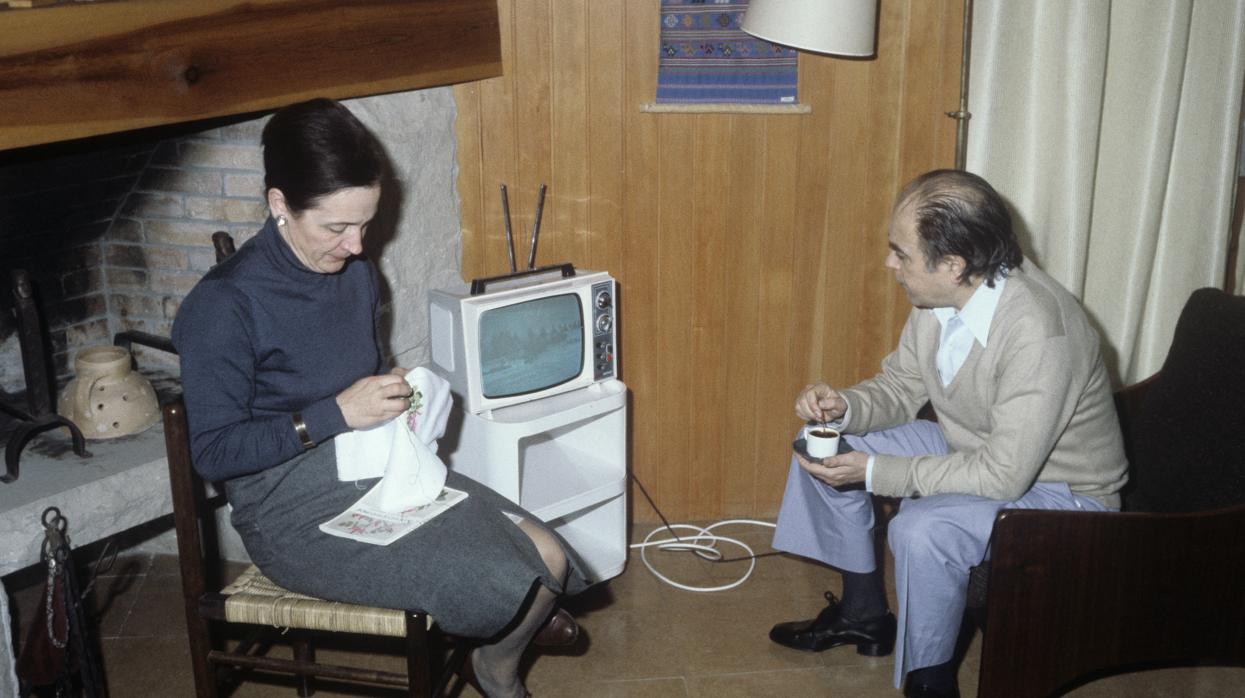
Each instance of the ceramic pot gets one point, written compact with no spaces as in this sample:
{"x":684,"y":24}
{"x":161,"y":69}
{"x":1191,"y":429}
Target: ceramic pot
{"x":106,"y":398}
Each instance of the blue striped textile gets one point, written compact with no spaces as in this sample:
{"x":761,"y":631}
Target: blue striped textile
{"x":707,"y":58}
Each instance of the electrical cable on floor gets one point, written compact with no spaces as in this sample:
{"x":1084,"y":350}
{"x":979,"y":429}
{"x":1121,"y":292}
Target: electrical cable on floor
{"x":703,"y":545}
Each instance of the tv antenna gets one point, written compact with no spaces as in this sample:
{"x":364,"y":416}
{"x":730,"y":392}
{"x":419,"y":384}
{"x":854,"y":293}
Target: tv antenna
{"x":505,"y":209}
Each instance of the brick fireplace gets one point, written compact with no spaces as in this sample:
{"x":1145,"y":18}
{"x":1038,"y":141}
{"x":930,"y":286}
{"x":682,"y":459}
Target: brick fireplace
{"x":114,"y":234}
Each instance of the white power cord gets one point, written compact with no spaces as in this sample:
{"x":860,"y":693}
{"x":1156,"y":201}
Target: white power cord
{"x":703,"y":544}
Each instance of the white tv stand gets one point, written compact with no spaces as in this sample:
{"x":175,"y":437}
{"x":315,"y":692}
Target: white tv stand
{"x":563,"y":458}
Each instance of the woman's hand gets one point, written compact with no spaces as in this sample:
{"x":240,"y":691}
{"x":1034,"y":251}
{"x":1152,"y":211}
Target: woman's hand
{"x":819,"y":403}
{"x":374,"y":400}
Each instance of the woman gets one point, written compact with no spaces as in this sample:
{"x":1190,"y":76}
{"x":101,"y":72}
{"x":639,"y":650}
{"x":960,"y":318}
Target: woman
{"x":280,"y":353}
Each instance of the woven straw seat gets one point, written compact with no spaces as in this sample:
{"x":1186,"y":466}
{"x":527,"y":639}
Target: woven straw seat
{"x":255,"y":599}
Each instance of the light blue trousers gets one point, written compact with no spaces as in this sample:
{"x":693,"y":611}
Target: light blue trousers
{"x":935,"y":539}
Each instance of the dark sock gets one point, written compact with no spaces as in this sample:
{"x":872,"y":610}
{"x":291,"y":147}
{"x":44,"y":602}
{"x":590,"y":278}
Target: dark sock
{"x":864,"y":597}
{"x":940,"y":677}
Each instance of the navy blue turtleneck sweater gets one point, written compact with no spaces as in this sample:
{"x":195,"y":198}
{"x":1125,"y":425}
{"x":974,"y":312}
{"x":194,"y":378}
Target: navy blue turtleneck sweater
{"x":262,"y":336}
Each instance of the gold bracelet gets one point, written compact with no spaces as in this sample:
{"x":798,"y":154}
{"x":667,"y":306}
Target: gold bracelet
{"x":301,"y":428}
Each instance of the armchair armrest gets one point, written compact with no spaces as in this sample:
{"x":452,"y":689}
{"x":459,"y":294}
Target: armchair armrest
{"x":1071,"y":592}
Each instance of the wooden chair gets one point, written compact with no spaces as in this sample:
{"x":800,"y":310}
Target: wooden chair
{"x":1074,"y":596}
{"x":261,"y":606}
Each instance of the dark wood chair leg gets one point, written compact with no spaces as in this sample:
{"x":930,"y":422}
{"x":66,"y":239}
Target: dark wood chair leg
{"x":418,"y":666}
{"x":187,"y":505}
{"x":200,"y":644}
{"x":305,"y":652}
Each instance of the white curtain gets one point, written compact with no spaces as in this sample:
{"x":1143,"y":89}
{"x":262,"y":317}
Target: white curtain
{"x":1112,"y":129}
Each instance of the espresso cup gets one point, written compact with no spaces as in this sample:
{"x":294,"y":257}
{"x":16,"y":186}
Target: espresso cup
{"x":821,"y":442}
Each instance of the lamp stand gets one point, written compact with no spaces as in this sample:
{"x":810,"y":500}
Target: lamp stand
{"x":962,"y":115}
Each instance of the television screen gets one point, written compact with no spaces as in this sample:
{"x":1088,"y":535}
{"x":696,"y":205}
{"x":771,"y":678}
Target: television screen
{"x":531,"y":346}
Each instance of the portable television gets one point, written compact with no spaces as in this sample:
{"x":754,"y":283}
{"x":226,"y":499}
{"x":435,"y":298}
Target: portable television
{"x":524,"y":336}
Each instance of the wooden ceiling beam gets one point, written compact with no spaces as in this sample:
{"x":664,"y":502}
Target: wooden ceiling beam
{"x":84,"y":69}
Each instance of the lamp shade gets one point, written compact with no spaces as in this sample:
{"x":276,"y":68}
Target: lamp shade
{"x":842,"y":27}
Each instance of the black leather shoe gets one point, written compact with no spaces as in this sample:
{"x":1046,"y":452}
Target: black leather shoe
{"x":875,"y":638}
{"x":920,"y":690}
{"x":560,"y":630}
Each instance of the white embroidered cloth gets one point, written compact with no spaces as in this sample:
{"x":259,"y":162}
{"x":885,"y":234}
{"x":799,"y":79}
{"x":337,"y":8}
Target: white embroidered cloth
{"x":402,"y":450}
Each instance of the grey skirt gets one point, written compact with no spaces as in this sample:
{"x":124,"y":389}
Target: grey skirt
{"x":471,"y":568}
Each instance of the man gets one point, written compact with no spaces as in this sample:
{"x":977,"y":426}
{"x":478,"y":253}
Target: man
{"x":1013,"y":370}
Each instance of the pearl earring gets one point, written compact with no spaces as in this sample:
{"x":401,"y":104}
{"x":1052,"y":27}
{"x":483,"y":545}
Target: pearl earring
{"x":281,"y":220}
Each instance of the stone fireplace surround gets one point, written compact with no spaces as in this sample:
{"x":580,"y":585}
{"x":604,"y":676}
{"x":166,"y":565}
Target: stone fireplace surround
{"x":115,"y":236}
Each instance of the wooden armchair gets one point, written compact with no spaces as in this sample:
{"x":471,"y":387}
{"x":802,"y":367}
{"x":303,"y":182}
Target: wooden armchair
{"x":262,"y":607}
{"x":1074,"y":596}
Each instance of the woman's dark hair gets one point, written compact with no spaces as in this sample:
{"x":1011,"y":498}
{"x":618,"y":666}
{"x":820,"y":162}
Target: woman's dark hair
{"x":314,"y":148}
{"x":959,"y":213}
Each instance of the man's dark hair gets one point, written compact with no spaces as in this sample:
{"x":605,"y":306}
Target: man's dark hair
{"x":959,"y":213}
{"x":317,"y":147}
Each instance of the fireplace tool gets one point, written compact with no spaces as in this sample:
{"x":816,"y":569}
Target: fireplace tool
{"x":41,"y":416}
{"x":58,"y":651}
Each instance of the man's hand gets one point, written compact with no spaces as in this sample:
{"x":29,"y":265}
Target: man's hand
{"x":837,"y":471}
{"x":374,"y":400}
{"x":819,"y":403}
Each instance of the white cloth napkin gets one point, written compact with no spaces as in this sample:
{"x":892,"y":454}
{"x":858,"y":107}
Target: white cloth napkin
{"x":402,"y":450}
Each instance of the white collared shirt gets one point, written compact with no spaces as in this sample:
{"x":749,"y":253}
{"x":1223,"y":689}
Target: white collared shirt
{"x":976,"y":315}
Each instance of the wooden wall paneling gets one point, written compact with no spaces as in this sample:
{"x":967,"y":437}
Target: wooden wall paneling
{"x":927,"y":137}
{"x":606,"y":109}
{"x":875,"y":333}
{"x":533,"y":129}
{"x":748,"y":248}
{"x":777,"y":305}
{"x":471,"y":195}
{"x":675,"y":308}
{"x":638,"y":274}
{"x":746,"y":220}
{"x":924,"y":106}
{"x":526,"y":121}
{"x":570,"y":150}
{"x":486,"y":252}
{"x":809,"y":256}
{"x":710,"y":176}
{"x":839,"y":294}
{"x":950,"y":55}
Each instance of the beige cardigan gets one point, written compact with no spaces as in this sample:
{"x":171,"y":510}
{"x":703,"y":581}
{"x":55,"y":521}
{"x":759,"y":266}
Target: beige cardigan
{"x":1034,"y":405}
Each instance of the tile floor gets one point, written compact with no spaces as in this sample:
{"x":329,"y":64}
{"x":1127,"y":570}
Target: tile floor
{"x":644,"y":638}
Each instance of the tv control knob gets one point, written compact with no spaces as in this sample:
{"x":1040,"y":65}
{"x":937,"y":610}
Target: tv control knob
{"x":605,"y":323}
{"x":603,"y":299}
